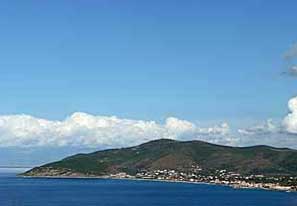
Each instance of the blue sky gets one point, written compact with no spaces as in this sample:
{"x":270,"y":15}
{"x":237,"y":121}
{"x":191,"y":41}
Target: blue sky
{"x":203,"y":61}
{"x":147,"y":60}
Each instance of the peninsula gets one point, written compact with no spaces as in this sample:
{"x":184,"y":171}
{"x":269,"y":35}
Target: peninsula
{"x":186,"y":161}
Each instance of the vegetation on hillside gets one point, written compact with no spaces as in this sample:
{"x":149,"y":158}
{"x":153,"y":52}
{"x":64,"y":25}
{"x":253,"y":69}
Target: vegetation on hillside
{"x":178,"y":155}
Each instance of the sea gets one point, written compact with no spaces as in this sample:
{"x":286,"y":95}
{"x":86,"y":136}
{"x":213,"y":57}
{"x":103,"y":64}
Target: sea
{"x":19,"y":191}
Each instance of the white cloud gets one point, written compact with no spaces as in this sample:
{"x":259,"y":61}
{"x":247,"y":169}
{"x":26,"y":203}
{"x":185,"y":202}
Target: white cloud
{"x":222,"y":129}
{"x":288,"y":124}
{"x":290,"y":121}
{"x":86,"y":130}
{"x":89,"y":131}
{"x":279,"y":134}
{"x":179,"y":126}
{"x":267,"y":127}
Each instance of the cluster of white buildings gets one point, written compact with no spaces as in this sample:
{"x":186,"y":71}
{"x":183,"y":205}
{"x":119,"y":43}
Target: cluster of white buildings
{"x":196,"y":174}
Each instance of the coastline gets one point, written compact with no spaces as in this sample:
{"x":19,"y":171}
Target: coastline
{"x":157,"y":180}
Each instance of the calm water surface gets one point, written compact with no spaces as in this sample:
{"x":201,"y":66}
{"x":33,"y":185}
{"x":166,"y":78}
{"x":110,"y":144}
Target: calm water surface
{"x":15,"y":191}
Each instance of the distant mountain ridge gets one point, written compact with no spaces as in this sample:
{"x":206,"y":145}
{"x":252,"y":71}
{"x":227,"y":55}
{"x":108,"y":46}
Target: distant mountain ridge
{"x":177,"y":155}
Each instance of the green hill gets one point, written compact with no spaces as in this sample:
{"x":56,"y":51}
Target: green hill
{"x":178,"y":155}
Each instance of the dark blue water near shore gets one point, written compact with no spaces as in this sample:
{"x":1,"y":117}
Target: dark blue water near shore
{"x":16,"y":191}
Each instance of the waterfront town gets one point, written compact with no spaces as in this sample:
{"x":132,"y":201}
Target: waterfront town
{"x":194,"y":174}
{"x":219,"y":177}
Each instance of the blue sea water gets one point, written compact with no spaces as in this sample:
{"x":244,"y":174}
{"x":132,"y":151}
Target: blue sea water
{"x":17,"y":191}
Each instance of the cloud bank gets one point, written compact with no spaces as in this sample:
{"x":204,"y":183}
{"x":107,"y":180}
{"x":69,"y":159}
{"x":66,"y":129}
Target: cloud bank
{"x":86,"y":130}
{"x":265,"y":128}
{"x":280,"y":134}
{"x":287,"y":126}
{"x":82,"y":130}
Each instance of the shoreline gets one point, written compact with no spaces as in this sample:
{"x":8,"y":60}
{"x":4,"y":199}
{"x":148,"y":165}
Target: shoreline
{"x":236,"y":187}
